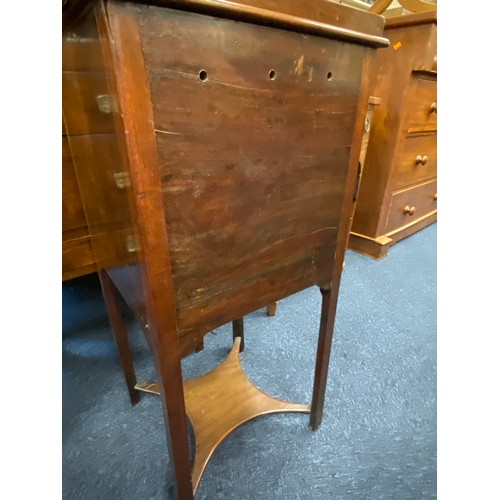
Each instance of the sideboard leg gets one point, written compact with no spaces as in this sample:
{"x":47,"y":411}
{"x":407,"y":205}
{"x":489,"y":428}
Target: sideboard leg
{"x":328,"y":308}
{"x":271,"y":308}
{"x":119,"y":330}
{"x":238,"y":331}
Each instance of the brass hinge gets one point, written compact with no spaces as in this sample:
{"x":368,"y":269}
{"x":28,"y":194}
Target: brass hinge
{"x":107,"y":103}
{"x":122,"y":179}
{"x":133,"y":243}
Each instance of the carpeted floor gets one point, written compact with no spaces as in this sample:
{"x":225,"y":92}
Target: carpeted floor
{"x":378,"y":436}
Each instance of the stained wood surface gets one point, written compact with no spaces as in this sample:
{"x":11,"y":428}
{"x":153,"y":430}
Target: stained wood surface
{"x":262,"y":207}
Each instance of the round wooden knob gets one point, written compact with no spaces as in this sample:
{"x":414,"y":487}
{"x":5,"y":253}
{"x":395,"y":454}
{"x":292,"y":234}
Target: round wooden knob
{"x":421,"y":160}
{"x":408,"y":210}
{"x":435,"y":197}
{"x":434,"y":107}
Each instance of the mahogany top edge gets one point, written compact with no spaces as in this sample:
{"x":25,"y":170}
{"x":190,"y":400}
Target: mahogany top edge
{"x":412,"y":19}
{"x":353,"y":25}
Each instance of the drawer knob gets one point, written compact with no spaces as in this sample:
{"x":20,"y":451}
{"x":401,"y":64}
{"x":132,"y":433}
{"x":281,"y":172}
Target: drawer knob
{"x":409,"y":210}
{"x":434,"y":107}
{"x":421,"y":159}
{"x":435,"y":197}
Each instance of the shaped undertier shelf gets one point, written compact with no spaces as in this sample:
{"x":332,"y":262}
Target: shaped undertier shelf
{"x":219,"y":402}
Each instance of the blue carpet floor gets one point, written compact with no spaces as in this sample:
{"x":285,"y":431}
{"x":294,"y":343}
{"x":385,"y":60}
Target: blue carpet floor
{"x":378,"y":436}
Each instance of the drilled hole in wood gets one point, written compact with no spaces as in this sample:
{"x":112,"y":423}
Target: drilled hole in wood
{"x":329,"y":76}
{"x":272,"y":74}
{"x":203,"y":75}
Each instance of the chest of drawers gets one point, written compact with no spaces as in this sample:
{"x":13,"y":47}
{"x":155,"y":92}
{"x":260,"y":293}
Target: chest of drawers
{"x":398,"y":190}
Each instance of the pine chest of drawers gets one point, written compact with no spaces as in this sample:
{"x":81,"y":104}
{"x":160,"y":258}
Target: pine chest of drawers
{"x":398,"y":189}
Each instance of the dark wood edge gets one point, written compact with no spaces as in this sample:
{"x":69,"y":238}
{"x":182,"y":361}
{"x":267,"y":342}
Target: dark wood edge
{"x":330,"y":295}
{"x":411,"y":19}
{"x":347,"y":213}
{"x":241,"y":12}
{"x":80,"y":271}
{"x":424,"y":72}
{"x":256,"y":15}
{"x":73,"y":11}
{"x":134,"y":100}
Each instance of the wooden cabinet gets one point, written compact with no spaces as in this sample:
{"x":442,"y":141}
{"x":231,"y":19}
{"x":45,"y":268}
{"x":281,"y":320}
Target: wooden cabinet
{"x":398,"y":190}
{"x":216,"y":146}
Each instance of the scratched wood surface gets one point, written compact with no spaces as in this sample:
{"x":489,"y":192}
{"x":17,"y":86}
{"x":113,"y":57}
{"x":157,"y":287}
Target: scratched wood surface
{"x":251,"y":214}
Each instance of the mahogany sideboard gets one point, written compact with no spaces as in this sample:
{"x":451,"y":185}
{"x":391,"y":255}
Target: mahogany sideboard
{"x":215,"y":145}
{"x":398,"y":191}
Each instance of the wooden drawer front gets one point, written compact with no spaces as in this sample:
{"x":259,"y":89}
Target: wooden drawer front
{"x":77,"y":258}
{"x":423,"y":106}
{"x":74,"y":223}
{"x":104,"y":185}
{"x":87,"y":107}
{"x":417,"y":161}
{"x":411,"y":204}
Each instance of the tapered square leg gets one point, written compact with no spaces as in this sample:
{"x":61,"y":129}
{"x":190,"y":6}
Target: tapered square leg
{"x":238,"y":331}
{"x":328,"y":308}
{"x":119,"y":330}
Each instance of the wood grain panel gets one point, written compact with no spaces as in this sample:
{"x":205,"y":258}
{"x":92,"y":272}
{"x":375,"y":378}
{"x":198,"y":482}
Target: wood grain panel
{"x":80,"y":91}
{"x":77,"y":257}
{"x":73,"y":215}
{"x":422,"y":198}
{"x":282,"y":179}
{"x":418,"y":161}
{"x":81,"y":48}
{"x":99,"y":167}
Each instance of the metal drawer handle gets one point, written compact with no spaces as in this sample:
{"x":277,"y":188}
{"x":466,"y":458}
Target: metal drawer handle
{"x":409,"y":210}
{"x":434,"y":107}
{"x":421,"y":159}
